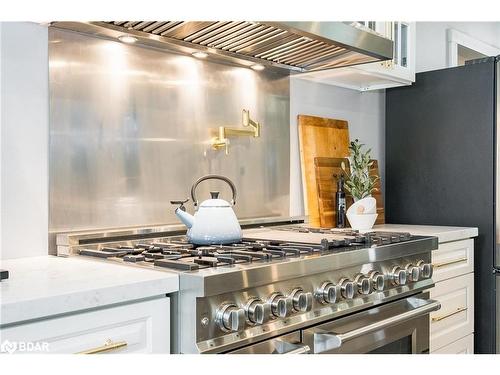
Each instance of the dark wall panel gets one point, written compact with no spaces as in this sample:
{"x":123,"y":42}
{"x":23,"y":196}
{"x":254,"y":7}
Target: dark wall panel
{"x":440,"y":166}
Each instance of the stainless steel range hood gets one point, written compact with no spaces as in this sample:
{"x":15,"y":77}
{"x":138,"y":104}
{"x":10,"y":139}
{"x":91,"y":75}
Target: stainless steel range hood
{"x":296,"y":46}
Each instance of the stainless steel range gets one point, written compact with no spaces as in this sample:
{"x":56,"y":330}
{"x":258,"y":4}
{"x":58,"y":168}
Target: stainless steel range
{"x":287,"y":289}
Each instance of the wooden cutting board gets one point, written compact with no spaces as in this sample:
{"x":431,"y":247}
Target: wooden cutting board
{"x":326,"y":170}
{"x":319,"y":137}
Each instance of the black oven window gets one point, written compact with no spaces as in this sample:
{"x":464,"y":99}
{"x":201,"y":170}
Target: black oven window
{"x":401,"y":346}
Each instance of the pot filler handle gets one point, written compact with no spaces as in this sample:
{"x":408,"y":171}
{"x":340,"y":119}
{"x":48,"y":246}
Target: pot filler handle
{"x":213,"y":177}
{"x":325,"y":341}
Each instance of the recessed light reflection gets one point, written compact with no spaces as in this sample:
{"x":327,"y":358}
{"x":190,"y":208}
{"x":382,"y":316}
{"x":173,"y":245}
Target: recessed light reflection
{"x":257,"y":67}
{"x":129,"y":39}
{"x":200,"y":55}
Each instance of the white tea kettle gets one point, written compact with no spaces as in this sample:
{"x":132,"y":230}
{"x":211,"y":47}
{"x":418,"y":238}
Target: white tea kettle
{"x":214,"y":222}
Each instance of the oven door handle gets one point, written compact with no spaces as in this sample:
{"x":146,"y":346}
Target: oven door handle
{"x":325,"y":341}
{"x":298,"y":349}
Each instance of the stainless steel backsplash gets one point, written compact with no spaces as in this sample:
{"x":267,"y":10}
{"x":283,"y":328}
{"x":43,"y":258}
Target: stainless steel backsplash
{"x":130,"y":129}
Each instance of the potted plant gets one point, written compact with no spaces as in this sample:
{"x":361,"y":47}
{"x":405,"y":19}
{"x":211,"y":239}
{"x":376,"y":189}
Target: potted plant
{"x":359,"y":183}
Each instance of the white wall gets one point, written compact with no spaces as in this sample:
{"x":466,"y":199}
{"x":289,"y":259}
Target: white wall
{"x":24,"y":140}
{"x":431,"y":42}
{"x":365,"y":113}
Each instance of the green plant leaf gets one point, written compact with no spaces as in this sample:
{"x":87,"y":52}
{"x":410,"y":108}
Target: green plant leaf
{"x":359,"y":183}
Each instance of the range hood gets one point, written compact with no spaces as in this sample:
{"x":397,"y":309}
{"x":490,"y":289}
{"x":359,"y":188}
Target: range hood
{"x":295,"y":46}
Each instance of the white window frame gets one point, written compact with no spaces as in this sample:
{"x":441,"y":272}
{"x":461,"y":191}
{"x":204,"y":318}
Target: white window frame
{"x":456,"y":38}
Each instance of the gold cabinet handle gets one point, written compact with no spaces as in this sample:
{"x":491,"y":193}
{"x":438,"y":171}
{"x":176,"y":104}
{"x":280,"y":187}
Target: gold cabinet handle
{"x":108,"y":346}
{"x":443,"y":264}
{"x":458,"y":310}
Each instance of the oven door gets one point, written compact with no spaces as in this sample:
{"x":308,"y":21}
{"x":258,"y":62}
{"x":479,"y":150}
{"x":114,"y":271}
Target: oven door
{"x":397,"y":327}
{"x":286,"y":344}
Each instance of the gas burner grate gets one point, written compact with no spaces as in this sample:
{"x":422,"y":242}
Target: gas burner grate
{"x":178,"y":254}
{"x":183,"y":266}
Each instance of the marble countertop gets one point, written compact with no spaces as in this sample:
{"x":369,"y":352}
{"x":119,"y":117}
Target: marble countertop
{"x":444,"y":234}
{"x":48,"y":285}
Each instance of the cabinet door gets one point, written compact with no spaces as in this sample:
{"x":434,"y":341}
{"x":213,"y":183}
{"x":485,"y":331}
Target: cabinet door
{"x":464,"y":345}
{"x":402,"y":37}
{"x":402,"y":66}
{"x":455,"y":319}
{"x":142,"y":327}
{"x":453,"y":259}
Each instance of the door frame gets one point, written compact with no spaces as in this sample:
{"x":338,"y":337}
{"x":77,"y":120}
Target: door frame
{"x":455,"y":38}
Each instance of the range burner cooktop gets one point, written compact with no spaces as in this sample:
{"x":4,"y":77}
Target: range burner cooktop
{"x":261,"y":245}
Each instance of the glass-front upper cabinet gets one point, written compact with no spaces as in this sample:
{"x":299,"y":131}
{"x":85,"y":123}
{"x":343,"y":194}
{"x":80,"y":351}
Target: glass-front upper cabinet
{"x":402,"y":66}
{"x":400,"y":71}
{"x":401,"y":43}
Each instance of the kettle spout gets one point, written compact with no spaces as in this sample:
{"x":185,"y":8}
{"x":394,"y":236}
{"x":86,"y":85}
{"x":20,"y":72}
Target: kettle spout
{"x":187,"y":219}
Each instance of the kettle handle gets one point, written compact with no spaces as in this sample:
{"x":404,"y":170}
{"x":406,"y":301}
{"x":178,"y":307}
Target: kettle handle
{"x":213,"y":177}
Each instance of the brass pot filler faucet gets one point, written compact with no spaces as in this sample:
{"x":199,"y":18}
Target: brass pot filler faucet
{"x":222,"y":140}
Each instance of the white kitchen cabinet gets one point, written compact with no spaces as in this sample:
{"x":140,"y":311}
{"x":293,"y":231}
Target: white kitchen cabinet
{"x":455,"y":319}
{"x":140,"y":327}
{"x":452,"y":326}
{"x":400,"y":71}
{"x":465,"y":345}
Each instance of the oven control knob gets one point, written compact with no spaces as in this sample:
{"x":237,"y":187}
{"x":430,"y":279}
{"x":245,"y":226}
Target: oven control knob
{"x":301,"y":301}
{"x":413,"y":272}
{"x":347,"y":288}
{"x":257,"y":311}
{"x":398,"y":276}
{"x":230,"y":318}
{"x":377,"y":280}
{"x":281,"y":306}
{"x":363,"y":284}
{"x":328,"y":293}
{"x":425,"y":269}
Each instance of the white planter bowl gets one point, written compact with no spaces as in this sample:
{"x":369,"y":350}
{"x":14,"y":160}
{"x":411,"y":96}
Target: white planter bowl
{"x":364,"y":206}
{"x":361,"y":222}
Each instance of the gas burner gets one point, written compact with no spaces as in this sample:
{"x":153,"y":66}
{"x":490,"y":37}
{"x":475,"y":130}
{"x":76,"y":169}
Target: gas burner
{"x":203,"y":251}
